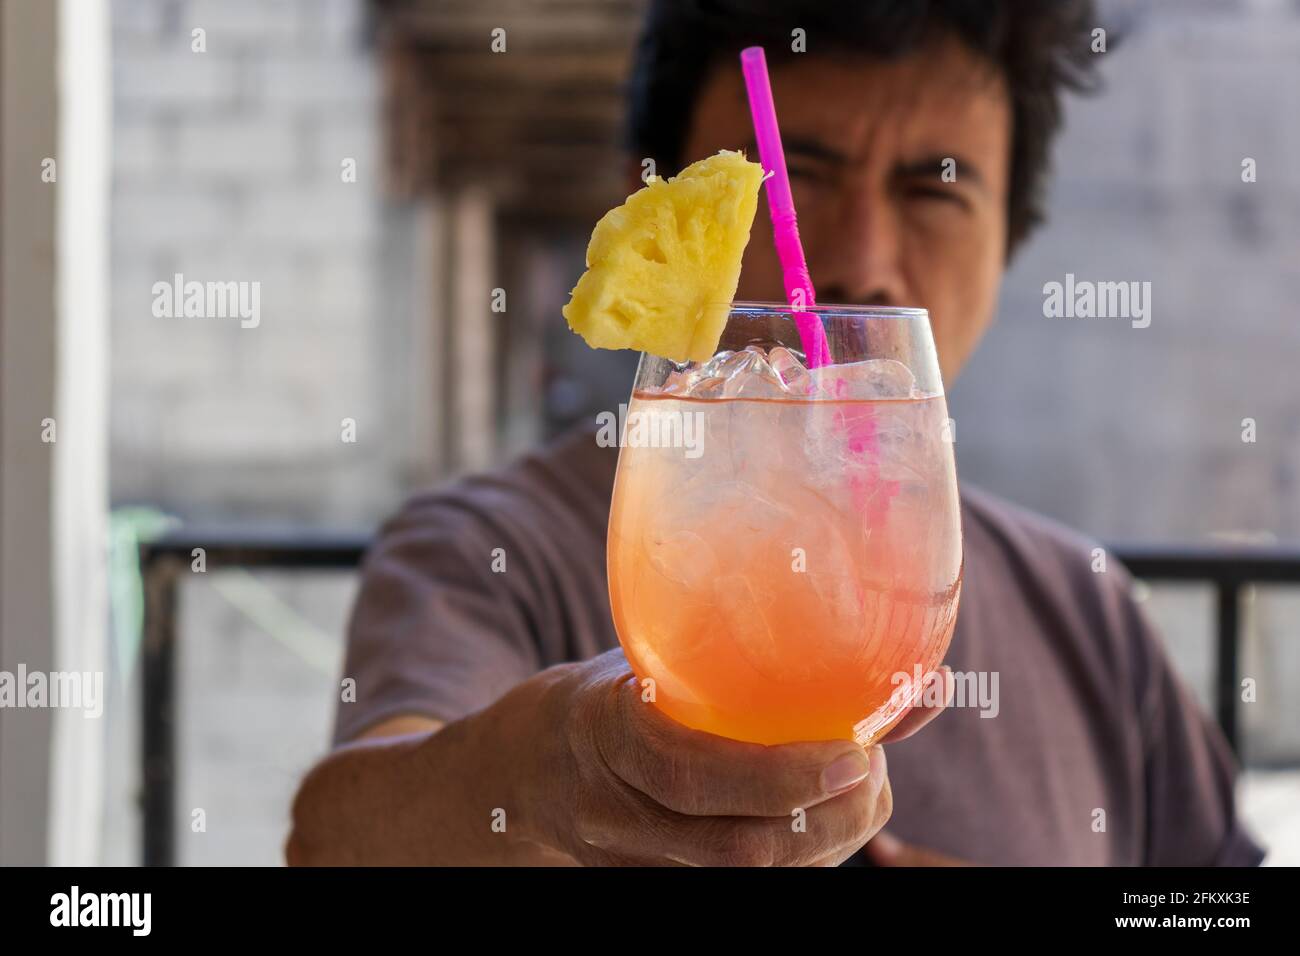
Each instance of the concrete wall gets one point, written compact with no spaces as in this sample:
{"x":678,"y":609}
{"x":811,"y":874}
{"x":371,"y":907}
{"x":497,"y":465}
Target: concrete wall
{"x":1136,"y":432}
{"x":227,"y":167}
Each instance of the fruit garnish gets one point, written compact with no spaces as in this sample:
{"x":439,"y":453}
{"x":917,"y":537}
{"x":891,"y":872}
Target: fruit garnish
{"x":663,"y":267}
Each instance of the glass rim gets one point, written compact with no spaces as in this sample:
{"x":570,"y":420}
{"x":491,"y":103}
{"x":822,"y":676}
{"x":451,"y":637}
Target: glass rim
{"x":865,"y":311}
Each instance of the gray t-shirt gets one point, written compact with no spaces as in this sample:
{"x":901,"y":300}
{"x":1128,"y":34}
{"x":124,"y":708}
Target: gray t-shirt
{"x":1098,"y":755}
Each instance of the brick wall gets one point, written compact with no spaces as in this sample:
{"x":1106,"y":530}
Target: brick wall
{"x":227,"y":167}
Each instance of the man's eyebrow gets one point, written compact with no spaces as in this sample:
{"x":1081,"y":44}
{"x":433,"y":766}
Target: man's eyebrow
{"x":805,"y":149}
{"x":934,"y":166}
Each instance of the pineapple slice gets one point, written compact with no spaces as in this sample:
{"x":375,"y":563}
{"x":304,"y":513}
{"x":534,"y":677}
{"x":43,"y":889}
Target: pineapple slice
{"x":662,"y":268}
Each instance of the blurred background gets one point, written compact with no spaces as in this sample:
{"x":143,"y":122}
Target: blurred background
{"x":380,"y":172}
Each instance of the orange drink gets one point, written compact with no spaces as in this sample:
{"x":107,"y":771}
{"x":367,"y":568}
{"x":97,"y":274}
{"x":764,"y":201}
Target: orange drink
{"x":781,"y":569}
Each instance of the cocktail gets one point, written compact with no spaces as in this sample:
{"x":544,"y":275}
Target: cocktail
{"x":784,"y":542}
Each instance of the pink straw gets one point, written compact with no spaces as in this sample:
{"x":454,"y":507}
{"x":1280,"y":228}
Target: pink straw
{"x":785,"y":227}
{"x":859,"y":423}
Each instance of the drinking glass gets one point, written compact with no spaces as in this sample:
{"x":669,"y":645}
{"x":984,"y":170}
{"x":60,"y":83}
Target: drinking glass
{"x":785,"y":552}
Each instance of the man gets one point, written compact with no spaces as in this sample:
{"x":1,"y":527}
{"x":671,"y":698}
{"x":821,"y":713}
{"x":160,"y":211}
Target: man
{"x":497,"y":722}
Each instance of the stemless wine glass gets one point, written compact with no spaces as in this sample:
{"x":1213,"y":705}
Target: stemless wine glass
{"x":785,"y":554}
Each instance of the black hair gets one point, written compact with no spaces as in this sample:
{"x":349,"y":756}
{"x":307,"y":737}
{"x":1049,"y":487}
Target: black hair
{"x":1040,"y":47}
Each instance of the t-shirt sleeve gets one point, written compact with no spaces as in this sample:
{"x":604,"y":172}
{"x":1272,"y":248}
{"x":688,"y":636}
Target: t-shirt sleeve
{"x":430,"y":632}
{"x":1188,"y":768}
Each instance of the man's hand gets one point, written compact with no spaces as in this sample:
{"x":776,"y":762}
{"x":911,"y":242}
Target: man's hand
{"x":572,"y":766}
{"x":916,"y":717}
{"x":885,"y":849}
{"x":625,"y":784}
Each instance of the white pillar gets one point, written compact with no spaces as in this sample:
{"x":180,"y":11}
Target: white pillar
{"x":81,"y":402}
{"x":473,"y":377}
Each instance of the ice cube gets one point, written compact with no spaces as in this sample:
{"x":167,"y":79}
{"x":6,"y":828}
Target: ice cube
{"x":792,"y":372}
{"x":703,"y":381}
{"x":869,"y":379}
{"x":684,"y":558}
{"x":748,"y":375}
{"x":714,"y":367}
{"x":679,"y":382}
{"x":707,"y":386}
{"x":743,"y":614}
{"x":822,"y":585}
{"x":696,"y":381}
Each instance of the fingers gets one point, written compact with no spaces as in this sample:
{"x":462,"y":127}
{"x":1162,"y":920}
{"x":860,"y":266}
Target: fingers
{"x":650,"y":791}
{"x":922,"y":713}
{"x":700,"y":774}
{"x":885,"y":849}
{"x":636,"y":830}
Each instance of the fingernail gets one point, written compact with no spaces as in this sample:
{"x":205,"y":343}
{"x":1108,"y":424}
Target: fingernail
{"x":845,"y":771}
{"x":879,"y":770}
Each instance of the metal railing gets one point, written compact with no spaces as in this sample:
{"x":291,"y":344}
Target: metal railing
{"x":164,"y":561}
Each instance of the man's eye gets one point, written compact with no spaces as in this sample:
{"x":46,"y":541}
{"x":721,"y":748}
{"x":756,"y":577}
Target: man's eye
{"x":940,"y":193}
{"x":805,"y":174}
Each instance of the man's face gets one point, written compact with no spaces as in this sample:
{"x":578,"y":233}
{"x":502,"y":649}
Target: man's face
{"x":866,"y":143}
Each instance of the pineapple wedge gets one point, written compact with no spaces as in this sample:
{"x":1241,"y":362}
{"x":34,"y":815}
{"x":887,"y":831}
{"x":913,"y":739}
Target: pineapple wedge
{"x":662,"y":268}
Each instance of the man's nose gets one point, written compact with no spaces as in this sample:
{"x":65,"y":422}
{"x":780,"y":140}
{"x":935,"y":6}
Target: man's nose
{"x":862,"y":258}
